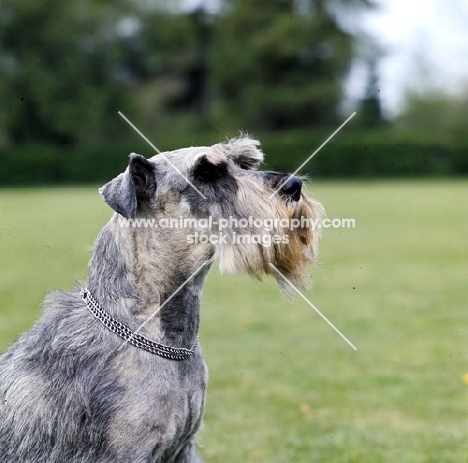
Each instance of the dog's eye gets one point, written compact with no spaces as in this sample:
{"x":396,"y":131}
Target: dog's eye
{"x":208,"y":172}
{"x":245,"y":165}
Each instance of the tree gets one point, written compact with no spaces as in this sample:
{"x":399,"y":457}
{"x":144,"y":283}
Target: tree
{"x":176,"y":49}
{"x":58,"y":64}
{"x":370,"y":112}
{"x":279,"y":64}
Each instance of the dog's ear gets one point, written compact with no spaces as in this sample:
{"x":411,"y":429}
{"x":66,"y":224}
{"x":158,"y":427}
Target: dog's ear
{"x":136,"y":185}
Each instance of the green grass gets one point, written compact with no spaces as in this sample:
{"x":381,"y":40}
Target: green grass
{"x":284,"y":387}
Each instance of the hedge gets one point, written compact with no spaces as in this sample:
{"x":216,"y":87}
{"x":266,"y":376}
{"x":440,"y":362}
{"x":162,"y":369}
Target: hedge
{"x":345,"y":156}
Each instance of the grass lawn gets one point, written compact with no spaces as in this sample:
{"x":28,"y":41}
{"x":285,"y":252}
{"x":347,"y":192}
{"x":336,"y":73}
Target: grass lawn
{"x":284,"y":387}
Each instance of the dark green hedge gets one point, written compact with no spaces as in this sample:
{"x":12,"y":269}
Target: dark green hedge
{"x":368,"y":154}
{"x":352,"y":155}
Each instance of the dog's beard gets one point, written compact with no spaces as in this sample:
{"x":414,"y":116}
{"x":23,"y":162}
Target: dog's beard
{"x":282,"y":251}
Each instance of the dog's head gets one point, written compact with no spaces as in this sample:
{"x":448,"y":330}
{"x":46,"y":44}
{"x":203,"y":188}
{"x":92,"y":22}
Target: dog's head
{"x":254,"y":221}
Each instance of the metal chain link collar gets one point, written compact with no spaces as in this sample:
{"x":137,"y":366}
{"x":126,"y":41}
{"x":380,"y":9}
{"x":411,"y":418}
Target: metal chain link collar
{"x":137,"y":340}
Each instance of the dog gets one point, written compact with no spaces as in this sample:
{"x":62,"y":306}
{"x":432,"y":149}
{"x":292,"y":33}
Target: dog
{"x":113,"y":371}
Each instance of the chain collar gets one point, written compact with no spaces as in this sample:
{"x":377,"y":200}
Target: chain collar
{"x":137,"y":340}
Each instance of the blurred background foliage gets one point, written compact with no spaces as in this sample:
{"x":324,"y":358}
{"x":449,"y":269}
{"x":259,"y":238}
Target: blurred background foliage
{"x":272,"y":68}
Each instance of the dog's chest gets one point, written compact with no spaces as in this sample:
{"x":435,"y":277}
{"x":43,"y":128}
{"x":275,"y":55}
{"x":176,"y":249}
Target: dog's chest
{"x":160,"y":410}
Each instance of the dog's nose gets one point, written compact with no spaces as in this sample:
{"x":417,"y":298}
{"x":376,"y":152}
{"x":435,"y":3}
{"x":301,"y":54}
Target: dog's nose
{"x":292,"y":188}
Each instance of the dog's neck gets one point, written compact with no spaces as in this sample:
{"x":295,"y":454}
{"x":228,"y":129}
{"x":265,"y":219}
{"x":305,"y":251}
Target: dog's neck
{"x":140,"y":272}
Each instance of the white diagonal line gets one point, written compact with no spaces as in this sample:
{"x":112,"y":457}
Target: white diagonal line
{"x":313,"y":154}
{"x":315,"y":308}
{"x":165,"y":158}
{"x":165,"y":302}
{"x":139,"y":133}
